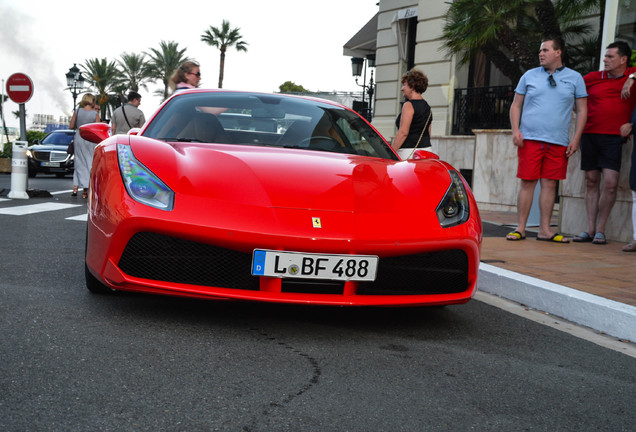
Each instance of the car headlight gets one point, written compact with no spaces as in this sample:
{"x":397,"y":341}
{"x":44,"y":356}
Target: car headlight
{"x":141,"y":184}
{"x":454,"y":208}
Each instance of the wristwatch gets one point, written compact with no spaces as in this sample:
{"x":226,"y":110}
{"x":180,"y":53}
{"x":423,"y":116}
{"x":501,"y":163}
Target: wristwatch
{"x":632,"y":76}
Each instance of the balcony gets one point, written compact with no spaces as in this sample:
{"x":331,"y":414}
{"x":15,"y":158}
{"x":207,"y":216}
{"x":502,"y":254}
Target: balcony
{"x":481,"y":108}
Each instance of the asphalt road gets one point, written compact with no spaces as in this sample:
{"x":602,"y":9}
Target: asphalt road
{"x":73,"y":361}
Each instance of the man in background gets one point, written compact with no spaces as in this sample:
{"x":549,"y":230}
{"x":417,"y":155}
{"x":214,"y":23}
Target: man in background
{"x":602,"y":142}
{"x":128,"y":115}
{"x":540,"y":117}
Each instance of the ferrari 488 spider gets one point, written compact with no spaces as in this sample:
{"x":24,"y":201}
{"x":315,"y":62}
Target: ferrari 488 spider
{"x":270,"y":197}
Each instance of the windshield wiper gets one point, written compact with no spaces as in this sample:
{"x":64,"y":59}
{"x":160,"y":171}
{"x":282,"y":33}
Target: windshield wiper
{"x":182,"y":139}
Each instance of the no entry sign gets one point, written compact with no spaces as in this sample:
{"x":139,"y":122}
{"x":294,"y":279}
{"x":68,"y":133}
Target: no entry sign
{"x":19,"y":88}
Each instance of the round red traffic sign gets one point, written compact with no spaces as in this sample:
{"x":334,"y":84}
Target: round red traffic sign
{"x":19,"y":88}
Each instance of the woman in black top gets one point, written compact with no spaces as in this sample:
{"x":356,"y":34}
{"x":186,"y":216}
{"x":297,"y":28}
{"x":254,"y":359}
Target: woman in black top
{"x":415,"y":119}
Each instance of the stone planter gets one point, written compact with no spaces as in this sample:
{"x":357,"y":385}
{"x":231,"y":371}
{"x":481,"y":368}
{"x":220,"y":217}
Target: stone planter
{"x":5,"y":165}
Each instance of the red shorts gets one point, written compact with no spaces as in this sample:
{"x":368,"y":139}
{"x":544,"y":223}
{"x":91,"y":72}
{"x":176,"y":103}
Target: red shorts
{"x":539,"y":160}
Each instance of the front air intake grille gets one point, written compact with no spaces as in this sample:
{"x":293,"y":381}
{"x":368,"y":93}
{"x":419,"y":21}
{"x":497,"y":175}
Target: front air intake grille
{"x":443,"y":272}
{"x":50,"y":156}
{"x":169,"y":259}
{"x":58,"y":156}
{"x":312,"y":286}
{"x":42,"y":156}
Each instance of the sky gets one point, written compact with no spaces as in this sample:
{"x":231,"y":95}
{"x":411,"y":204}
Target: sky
{"x":288,"y":40}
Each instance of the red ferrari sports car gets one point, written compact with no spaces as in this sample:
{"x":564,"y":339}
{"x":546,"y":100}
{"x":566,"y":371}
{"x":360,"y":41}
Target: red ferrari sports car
{"x":271,"y":197}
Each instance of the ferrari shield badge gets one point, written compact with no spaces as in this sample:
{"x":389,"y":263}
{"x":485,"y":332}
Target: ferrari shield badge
{"x":316,"y":222}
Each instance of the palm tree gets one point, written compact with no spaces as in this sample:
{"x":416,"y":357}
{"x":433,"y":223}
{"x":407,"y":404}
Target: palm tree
{"x":4,"y":125}
{"x":136,"y":71}
{"x":224,"y":39}
{"x":103,"y":78}
{"x":500,"y":29}
{"x":164,"y":62}
{"x":136,"y":74}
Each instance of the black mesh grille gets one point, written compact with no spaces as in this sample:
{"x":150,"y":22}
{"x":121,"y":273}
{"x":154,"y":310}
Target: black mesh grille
{"x":443,"y":272}
{"x":163,"y":258}
{"x":158,"y":257}
{"x":312,"y":286}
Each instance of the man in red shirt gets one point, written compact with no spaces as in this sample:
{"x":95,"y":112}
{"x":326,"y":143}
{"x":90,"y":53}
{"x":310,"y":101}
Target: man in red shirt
{"x":602,"y":142}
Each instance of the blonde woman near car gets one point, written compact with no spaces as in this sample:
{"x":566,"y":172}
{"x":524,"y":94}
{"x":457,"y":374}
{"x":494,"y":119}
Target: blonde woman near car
{"x":83,"y":150}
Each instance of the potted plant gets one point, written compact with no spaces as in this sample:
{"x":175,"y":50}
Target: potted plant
{"x":5,"y":158}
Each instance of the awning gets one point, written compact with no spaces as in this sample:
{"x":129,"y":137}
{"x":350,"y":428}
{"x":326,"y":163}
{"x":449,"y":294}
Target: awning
{"x":364,"y":42}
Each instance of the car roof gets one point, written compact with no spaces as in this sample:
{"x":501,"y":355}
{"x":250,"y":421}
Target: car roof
{"x":256,"y":93}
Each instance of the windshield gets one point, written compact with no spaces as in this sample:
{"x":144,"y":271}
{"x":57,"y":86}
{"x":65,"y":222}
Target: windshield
{"x":58,"y":138}
{"x":266,"y":120}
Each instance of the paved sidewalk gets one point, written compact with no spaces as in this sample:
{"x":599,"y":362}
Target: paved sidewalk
{"x":593,"y":285}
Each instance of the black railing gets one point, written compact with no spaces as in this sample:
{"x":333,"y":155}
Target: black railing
{"x":481,"y":108}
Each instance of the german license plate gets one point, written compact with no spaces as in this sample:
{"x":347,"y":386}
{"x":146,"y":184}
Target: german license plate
{"x":314,"y":266}
{"x":51,"y":164}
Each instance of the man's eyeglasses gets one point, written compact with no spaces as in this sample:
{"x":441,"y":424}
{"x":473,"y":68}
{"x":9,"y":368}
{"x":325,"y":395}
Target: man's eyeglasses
{"x":551,"y":81}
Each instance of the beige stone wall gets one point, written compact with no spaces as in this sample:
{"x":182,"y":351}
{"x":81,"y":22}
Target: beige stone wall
{"x":495,"y":183}
{"x":428,"y":57}
{"x":457,"y":150}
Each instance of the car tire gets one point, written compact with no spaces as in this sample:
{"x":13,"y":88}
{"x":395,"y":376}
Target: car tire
{"x":95,"y":286}
{"x":32,"y":173}
{"x":60,"y":175}
{"x":92,"y":283}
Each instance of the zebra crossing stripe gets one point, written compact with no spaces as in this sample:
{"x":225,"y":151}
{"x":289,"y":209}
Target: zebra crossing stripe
{"x":82,"y":217}
{"x":36,"y":208}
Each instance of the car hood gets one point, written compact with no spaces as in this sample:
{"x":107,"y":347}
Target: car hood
{"x":48,"y":147}
{"x":294,"y":179}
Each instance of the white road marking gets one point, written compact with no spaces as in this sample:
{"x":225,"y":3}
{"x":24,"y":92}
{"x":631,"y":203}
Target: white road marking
{"x":61,"y":192}
{"x":82,"y":218}
{"x":36,"y":208}
{"x":52,"y":193}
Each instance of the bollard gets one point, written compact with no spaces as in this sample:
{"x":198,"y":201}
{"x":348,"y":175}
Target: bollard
{"x":19,"y":171}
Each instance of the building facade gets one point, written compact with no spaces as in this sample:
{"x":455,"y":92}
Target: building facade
{"x":408,"y":34}
{"x":48,"y":122}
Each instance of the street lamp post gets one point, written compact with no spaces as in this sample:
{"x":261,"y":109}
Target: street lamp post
{"x":359,"y":67}
{"x":75,"y":82}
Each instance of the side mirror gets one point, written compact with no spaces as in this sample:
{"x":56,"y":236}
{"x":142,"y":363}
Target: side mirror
{"x":424,"y":154}
{"x":134,"y":131}
{"x":35,"y":142}
{"x":95,"y":132}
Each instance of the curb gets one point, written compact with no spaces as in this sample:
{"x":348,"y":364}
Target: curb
{"x":607,"y":316}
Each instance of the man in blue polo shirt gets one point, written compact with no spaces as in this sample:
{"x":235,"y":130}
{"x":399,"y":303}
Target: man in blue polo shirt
{"x":540,"y":116}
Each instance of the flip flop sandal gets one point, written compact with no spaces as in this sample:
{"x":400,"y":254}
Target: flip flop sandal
{"x":556,"y":238}
{"x":599,"y":238}
{"x":515,"y":236}
{"x":583,"y":238}
{"x":630,"y":247}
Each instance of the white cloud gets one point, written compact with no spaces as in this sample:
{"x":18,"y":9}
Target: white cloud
{"x":291,"y":40}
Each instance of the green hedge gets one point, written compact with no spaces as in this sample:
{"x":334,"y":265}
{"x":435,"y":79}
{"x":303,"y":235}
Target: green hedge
{"x":31,"y":136}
